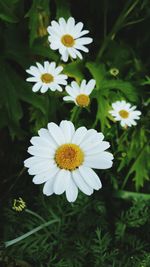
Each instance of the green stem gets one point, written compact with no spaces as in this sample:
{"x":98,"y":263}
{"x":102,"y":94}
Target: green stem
{"x":35,"y":214}
{"x":131,"y":195}
{"x":117,"y":26}
{"x":75,"y":113}
{"x":20,"y":238}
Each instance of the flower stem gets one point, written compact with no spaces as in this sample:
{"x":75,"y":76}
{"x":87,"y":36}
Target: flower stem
{"x":131,"y":195}
{"x":20,"y":238}
{"x":75,"y":113}
{"x":35,"y":214}
{"x":118,"y":25}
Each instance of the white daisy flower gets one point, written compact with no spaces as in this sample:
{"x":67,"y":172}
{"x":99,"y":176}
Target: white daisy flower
{"x":46,"y":77}
{"x":80,"y":94}
{"x":63,"y":158}
{"x":123,"y":112}
{"x":67,"y":38}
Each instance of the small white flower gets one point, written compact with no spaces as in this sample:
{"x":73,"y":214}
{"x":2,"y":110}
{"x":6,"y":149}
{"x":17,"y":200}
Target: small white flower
{"x":123,"y":112}
{"x":46,"y":77}
{"x":80,"y":94}
{"x":63,"y":158}
{"x":67,"y":38}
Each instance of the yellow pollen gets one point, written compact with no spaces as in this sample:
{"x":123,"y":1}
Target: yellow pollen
{"x":47,"y":78}
{"x":83,"y":100}
{"x":69,"y":157}
{"x":124,"y":114}
{"x":67,"y":40}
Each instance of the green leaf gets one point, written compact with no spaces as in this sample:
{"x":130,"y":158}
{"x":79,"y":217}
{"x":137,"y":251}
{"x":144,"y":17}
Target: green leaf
{"x":127,"y":195}
{"x":6,"y":12}
{"x":141,"y":167}
{"x":74,"y":70}
{"x":102,"y":112}
{"x":9,"y":100}
{"x":37,"y":9}
{"x":63,"y":9}
{"x":126,"y":88}
{"x":98,"y":72}
{"x":39,"y":49}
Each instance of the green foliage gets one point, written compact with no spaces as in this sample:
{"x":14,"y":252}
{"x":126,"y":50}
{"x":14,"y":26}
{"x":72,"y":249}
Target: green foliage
{"x":111,"y":227}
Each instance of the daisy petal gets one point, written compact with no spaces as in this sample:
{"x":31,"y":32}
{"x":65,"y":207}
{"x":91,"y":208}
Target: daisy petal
{"x":81,"y":184}
{"x":71,"y":190}
{"x":79,"y":135}
{"x":60,"y":182}
{"x":90,"y":177}
{"x":68,"y":130}
{"x":56,"y":133}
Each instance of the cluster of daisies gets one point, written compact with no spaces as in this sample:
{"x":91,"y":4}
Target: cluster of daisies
{"x":61,"y":157}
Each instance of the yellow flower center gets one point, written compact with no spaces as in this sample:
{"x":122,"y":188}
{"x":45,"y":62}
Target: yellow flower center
{"x":69,"y":157}
{"x":124,"y":114}
{"x":83,"y":100}
{"x":47,"y":78}
{"x":67,"y":40}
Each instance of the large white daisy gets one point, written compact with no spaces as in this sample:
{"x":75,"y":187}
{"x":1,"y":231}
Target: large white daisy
{"x":80,"y":94}
{"x":46,"y":77}
{"x":63,"y":158}
{"x":67,"y":38}
{"x":123,"y":112}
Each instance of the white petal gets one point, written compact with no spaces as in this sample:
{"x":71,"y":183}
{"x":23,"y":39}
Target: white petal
{"x":72,"y":91}
{"x":44,"y":134}
{"x":40,"y":67}
{"x":97,"y":148}
{"x":70,"y":24}
{"x":81,"y":184}
{"x":91,"y":137}
{"x":32,"y":79}
{"x":68,"y":130}
{"x":90,"y":86}
{"x":82,"y":86}
{"x":90,"y":177}
{"x":72,"y":53}
{"x":55,"y":87}
{"x":62,"y":23}
{"x":40,"y":152}
{"x":56,"y":133}
{"x":71,"y":189}
{"x":41,"y":167}
{"x":31,"y":161}
{"x":65,"y":55}
{"x":45,"y":176}
{"x":81,"y":47}
{"x":79,"y":34}
{"x":77,"y":29}
{"x":59,"y":70}
{"x":78,"y":53}
{"x":44,"y":88}
{"x":41,"y":143}
{"x":36,"y":87}
{"x":60,"y":182}
{"x":84,"y":40}
{"x":102,"y":161}
{"x":68,"y":98}
{"x":48,"y":187}
{"x":79,"y":135}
